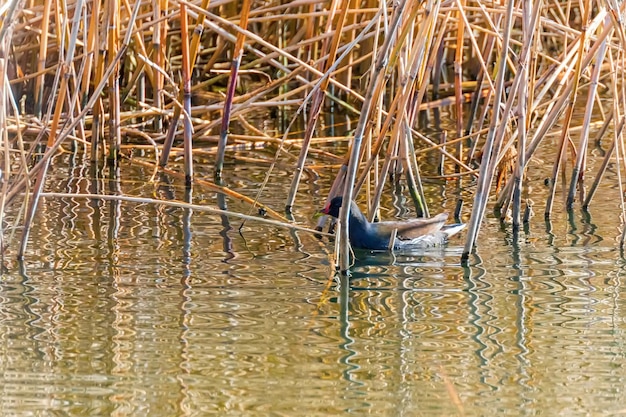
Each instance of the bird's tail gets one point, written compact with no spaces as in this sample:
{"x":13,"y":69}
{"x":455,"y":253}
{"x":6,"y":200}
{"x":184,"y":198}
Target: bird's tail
{"x":452,"y":229}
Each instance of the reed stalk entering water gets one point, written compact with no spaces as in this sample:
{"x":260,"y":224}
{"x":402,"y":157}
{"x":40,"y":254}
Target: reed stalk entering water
{"x":415,"y":73}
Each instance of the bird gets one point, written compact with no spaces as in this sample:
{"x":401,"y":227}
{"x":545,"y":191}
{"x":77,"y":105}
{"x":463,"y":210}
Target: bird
{"x":386,"y":235}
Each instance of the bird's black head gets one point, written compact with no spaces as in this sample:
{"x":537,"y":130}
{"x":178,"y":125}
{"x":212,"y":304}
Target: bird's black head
{"x":332,"y":208}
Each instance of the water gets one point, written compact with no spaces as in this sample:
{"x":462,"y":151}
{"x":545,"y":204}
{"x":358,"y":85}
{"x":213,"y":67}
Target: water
{"x":137,"y":309}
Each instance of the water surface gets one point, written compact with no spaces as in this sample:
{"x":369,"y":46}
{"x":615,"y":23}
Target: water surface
{"x":137,"y":309}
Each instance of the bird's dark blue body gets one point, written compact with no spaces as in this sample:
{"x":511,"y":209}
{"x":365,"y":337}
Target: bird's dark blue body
{"x":392,"y":234}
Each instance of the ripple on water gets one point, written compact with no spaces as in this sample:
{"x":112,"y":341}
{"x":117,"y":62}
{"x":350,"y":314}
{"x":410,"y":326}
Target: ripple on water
{"x":145,"y":310}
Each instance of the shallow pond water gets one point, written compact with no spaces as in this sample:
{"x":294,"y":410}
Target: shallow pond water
{"x":138,"y":309}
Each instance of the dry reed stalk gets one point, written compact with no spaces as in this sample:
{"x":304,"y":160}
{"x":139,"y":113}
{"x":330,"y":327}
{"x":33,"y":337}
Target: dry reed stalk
{"x":619,"y":129}
{"x":186,"y":83}
{"x":179,"y":204}
{"x":618,"y":146}
{"x":417,"y":191}
{"x":561,"y":72}
{"x":195,"y":45}
{"x":382,"y":131}
{"x":113,"y":34}
{"x":373,"y":90}
{"x":310,"y":25}
{"x":401,"y":130}
{"x":511,"y":193}
{"x":458,"y":73}
{"x":570,"y":109}
{"x":91,"y":29}
{"x":579,"y":168}
{"x":158,"y":54}
{"x":232,"y":82}
{"x":329,"y":48}
{"x":529,"y":21}
{"x":555,"y":106}
{"x":369,"y":149}
{"x":392,"y":149}
{"x":614,"y":118}
{"x":55,"y":123}
{"x":541,"y":86}
{"x":54,"y":140}
{"x":141,"y":70}
{"x":264,"y":43}
{"x":5,"y":163}
{"x":486,"y":175}
{"x":97,"y":126}
{"x":482,"y":56}
{"x":339,"y":180}
{"x":75,"y":104}
{"x":41,"y":62}
{"x":619,"y":92}
{"x":417,"y":74}
{"x":424,"y":75}
{"x":215,"y":187}
{"x":350,"y":62}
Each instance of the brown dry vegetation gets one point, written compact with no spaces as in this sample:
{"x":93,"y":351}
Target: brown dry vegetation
{"x":103,"y":75}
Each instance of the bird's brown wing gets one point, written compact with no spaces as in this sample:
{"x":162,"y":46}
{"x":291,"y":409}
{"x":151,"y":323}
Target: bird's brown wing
{"x":411,"y":229}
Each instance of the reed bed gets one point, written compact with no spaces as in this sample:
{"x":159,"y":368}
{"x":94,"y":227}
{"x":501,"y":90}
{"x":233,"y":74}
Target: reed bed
{"x":106,"y":76}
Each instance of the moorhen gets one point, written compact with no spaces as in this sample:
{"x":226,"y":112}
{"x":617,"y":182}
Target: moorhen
{"x":413,"y":233}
